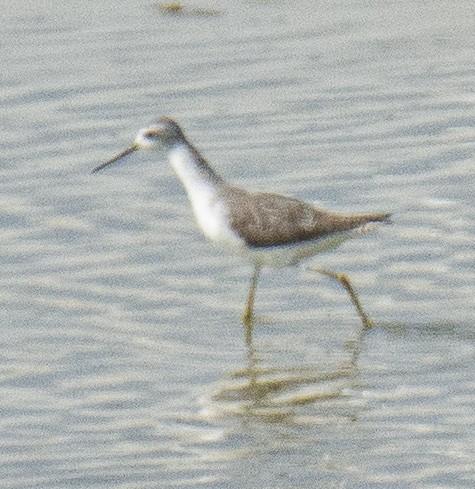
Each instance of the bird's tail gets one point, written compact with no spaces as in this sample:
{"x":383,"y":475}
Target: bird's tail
{"x":369,"y":223}
{"x":384,"y":217}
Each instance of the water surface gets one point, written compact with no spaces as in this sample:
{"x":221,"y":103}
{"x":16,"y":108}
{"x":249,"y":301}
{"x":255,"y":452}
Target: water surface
{"x":124,"y":361}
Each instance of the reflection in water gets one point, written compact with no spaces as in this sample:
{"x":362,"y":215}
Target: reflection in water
{"x":272,"y":393}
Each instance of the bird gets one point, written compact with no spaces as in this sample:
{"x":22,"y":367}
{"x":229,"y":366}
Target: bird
{"x":266,"y":229}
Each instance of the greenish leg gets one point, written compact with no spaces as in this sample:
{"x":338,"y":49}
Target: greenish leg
{"x":247,"y":316}
{"x":345,"y":281}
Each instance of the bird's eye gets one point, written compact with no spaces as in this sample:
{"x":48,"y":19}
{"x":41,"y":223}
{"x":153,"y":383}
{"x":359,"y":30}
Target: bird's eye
{"x":150,"y":134}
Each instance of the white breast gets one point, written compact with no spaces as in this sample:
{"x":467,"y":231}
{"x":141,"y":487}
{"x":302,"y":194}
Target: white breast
{"x":209,"y":209}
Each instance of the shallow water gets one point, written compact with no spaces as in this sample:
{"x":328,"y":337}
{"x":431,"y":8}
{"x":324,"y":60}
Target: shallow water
{"x":124,"y":361}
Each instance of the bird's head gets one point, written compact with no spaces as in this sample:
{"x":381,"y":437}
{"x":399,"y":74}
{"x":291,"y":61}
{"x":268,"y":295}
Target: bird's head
{"x":161,"y":134}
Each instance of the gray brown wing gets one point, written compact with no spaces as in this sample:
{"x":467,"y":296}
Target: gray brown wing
{"x":266,"y":219}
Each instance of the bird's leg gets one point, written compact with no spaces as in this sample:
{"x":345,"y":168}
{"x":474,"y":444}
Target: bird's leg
{"x":247,"y":316}
{"x":345,"y":281}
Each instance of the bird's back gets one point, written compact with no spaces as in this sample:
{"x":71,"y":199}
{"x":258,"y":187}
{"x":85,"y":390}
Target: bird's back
{"x":268,"y":219}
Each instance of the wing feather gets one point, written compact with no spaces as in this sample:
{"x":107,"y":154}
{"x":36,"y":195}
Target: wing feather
{"x":267,"y":219}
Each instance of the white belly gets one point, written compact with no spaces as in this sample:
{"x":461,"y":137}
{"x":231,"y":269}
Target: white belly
{"x":290,"y":255}
{"x":211,"y":215}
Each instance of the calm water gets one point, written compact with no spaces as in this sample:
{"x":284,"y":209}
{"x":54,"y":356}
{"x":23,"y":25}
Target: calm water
{"x":123,"y":359}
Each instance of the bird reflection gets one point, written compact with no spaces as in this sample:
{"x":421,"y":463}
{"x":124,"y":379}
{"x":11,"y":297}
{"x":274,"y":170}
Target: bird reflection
{"x":273,"y":393}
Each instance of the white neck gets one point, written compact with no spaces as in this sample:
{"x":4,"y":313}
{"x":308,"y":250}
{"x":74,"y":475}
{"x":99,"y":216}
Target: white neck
{"x":195,"y":180}
{"x":202,"y":185}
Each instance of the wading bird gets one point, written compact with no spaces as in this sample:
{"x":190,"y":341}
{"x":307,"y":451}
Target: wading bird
{"x":267,"y":229}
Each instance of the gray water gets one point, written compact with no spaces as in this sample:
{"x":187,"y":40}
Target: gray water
{"x":123,"y":358}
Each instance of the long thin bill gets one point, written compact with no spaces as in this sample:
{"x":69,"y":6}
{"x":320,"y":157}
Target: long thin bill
{"x":118,"y":157}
